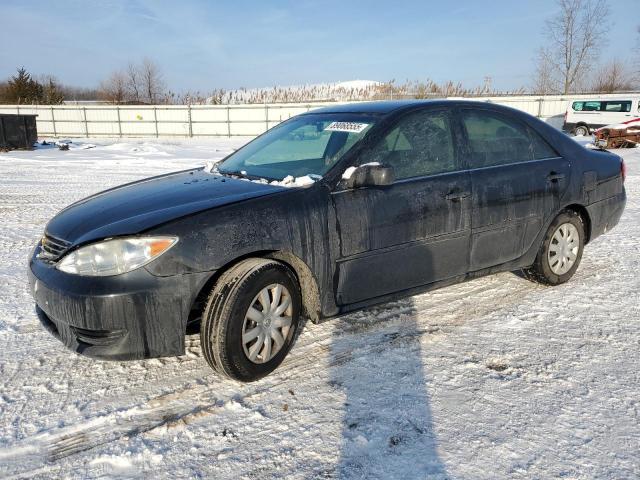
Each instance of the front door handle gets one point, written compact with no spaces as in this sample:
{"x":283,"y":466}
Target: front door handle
{"x":455,"y":196}
{"x":553,"y":177}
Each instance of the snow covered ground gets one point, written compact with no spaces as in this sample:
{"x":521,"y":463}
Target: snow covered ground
{"x":494,"y":378}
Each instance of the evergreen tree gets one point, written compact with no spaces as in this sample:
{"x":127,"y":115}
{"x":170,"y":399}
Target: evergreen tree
{"x":23,"y":89}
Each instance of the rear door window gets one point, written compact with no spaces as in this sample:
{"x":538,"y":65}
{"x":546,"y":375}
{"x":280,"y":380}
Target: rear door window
{"x":496,"y":140}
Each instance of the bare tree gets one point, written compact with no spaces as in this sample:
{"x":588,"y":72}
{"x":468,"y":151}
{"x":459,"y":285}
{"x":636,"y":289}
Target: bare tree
{"x":134,"y":82}
{"x":72,"y":93}
{"x":52,"y":93}
{"x":137,"y":83}
{"x":575,"y":36}
{"x":544,"y":82}
{"x":114,"y":89}
{"x":612,"y":77}
{"x":153,"y":88}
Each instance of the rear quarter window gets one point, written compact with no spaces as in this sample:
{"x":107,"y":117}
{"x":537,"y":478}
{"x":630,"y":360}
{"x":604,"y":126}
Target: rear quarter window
{"x":541,"y":149}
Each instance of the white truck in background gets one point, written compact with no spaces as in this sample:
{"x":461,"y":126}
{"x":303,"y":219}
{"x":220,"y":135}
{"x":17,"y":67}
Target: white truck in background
{"x":584,"y":116}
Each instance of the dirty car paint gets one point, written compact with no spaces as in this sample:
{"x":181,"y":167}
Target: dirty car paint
{"x":350,"y":248}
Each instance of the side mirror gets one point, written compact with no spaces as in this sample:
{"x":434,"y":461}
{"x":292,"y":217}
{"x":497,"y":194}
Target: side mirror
{"x":371,"y":175}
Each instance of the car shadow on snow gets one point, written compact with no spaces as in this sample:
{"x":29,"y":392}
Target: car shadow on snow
{"x":387,"y":428}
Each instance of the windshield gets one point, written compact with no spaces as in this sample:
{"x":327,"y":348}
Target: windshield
{"x":305,"y":145}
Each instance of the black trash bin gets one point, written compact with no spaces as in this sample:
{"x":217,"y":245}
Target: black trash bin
{"x":17,"y":131}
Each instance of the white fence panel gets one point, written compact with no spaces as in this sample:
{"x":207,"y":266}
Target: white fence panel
{"x":222,"y":120}
{"x":209,"y":120}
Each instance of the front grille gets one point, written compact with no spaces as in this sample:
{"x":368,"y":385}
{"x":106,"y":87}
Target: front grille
{"x":52,"y":248}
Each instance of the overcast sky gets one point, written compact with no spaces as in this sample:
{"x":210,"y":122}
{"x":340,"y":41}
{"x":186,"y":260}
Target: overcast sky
{"x":201,"y":45}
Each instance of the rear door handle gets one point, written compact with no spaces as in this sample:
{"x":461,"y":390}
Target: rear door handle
{"x":554,"y":177}
{"x":454,"y":196}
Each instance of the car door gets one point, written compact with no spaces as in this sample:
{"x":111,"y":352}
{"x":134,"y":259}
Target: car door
{"x":414,"y":231}
{"x":517,"y":182}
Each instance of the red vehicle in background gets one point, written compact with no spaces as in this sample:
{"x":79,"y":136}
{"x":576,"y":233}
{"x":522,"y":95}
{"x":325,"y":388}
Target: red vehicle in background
{"x":622,"y":135}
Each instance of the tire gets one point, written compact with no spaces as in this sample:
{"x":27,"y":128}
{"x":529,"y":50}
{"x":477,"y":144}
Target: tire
{"x":226,"y":319}
{"x":545,"y":270}
{"x":581,"y":130}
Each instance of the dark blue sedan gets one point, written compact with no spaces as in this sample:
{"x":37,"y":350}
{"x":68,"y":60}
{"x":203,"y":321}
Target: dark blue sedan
{"x":329,"y":212}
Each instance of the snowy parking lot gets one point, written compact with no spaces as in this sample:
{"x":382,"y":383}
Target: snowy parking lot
{"x":494,"y":378}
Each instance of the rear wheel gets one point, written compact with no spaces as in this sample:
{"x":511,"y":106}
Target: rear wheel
{"x":251,"y":319}
{"x":561,"y":250}
{"x":581,"y":130}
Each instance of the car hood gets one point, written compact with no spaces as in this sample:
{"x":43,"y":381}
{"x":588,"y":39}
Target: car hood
{"x":138,"y":206}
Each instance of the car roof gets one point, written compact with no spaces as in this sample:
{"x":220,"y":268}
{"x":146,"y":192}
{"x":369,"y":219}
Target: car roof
{"x":385,"y":107}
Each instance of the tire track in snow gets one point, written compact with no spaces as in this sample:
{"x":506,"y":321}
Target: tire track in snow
{"x":200,"y":398}
{"x":133,"y":406}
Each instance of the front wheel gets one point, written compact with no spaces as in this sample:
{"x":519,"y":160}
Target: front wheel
{"x":251,"y":319}
{"x":561,"y":250}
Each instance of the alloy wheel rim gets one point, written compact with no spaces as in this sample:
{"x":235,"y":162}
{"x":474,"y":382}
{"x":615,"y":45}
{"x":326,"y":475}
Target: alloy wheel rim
{"x":267,"y":323}
{"x":563,"y":249}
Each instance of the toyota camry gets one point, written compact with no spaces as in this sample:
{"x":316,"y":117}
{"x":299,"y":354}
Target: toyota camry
{"x":329,"y":212}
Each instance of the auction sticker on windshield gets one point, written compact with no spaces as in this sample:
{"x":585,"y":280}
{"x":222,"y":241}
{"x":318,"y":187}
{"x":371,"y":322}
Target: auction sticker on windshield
{"x":346,"y":127}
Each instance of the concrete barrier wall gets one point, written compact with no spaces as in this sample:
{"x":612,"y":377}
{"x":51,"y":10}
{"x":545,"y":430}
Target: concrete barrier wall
{"x":222,"y":120}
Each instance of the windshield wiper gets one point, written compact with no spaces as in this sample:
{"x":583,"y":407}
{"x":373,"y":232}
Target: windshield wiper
{"x":241,"y":174}
{"x":244,"y":174}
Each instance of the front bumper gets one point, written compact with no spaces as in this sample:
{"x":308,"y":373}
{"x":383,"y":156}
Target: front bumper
{"x":125,"y":317}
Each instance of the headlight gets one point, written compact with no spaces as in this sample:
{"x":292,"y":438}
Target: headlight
{"x":116,"y":256}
